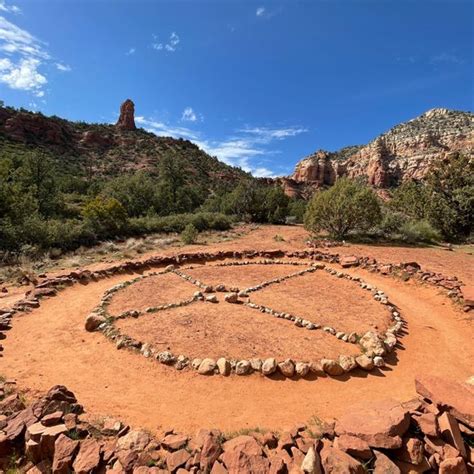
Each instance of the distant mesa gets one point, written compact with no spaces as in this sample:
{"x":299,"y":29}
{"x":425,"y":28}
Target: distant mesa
{"x":126,"y":120}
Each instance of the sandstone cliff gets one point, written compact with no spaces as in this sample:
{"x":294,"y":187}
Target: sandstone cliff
{"x":405,"y":152}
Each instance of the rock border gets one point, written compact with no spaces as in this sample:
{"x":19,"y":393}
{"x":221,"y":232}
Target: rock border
{"x":373,"y":345}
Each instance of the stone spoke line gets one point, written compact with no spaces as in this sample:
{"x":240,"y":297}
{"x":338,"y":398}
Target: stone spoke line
{"x":374,"y":346}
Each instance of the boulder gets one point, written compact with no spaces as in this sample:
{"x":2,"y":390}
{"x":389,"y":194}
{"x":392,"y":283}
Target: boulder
{"x":349,"y":261}
{"x":353,"y":446}
{"x":242,"y":367}
{"x":93,"y":321}
{"x":365,"y":362}
{"x":381,"y":424}
{"x":457,"y":398}
{"x":64,"y":451}
{"x":450,"y":432}
{"x":302,"y":369}
{"x":223,"y":365}
{"x":468,"y":295}
{"x":384,"y":465}
{"x":207,"y":367}
{"x":335,"y":461}
{"x":372,"y":344}
{"x":174,"y":441}
{"x":348,"y":363}
{"x":453,"y":466}
{"x":311,"y":463}
{"x":287,"y":368}
{"x":135,"y":440}
{"x":231,"y":298}
{"x":177,"y":459}
{"x":269,"y":366}
{"x":427,"y":423}
{"x":211,"y":449}
{"x":331,"y":367}
{"x":88,"y":458}
{"x":244,"y":454}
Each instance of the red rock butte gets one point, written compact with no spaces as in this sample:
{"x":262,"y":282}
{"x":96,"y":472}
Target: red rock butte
{"x":126,"y":120}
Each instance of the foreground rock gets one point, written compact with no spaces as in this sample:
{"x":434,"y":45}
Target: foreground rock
{"x":422,"y":435}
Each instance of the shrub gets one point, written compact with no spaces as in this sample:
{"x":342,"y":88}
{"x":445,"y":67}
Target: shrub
{"x":106,"y":216}
{"x":418,"y":231}
{"x":189,"y":234}
{"x":346,"y":207}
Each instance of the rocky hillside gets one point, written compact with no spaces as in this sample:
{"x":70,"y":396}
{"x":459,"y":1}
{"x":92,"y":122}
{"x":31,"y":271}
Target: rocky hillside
{"x":404,"y":152}
{"x":102,"y":150}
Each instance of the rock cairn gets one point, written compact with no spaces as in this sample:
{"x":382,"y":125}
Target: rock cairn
{"x":431,"y":433}
{"x":373,"y":346}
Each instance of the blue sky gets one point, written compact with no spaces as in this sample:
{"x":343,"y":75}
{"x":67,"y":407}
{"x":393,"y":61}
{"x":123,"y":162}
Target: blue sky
{"x":258,"y":84}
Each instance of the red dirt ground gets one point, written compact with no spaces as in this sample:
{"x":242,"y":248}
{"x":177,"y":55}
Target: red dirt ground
{"x":49,"y":346}
{"x":241,"y":276}
{"x":326,"y":300}
{"x":151,"y":291}
{"x":234,"y":331}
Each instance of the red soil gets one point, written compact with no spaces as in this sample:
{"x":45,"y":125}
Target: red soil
{"x":326,"y":300}
{"x":241,"y":276}
{"x":233,"y":331}
{"x":49,"y":346}
{"x":151,"y":291}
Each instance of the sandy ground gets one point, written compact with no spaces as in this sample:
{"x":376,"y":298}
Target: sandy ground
{"x":49,"y":346}
{"x":232,"y":331}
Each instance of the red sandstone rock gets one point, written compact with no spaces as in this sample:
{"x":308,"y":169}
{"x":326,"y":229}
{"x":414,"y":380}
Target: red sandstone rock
{"x":450,"y":432}
{"x":64,"y":450}
{"x":244,"y":454}
{"x":174,"y":441}
{"x":88,"y":457}
{"x":177,"y":459}
{"x":134,"y":440}
{"x":211,"y":449}
{"x":468,"y":295}
{"x":354,"y":446}
{"x":427,"y":423}
{"x":411,"y":451}
{"x":347,"y":262}
{"x":381,"y":424}
{"x":126,"y":120}
{"x":335,"y":461}
{"x":453,"y":466}
{"x":457,"y":398}
{"x":384,"y":465}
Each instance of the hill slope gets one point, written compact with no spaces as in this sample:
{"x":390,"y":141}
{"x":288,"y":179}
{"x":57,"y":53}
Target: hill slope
{"x":102,"y":150}
{"x":404,"y":152}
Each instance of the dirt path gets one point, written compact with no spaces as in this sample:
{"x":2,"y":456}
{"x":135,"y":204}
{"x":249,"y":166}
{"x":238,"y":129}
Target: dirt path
{"x":49,"y":346}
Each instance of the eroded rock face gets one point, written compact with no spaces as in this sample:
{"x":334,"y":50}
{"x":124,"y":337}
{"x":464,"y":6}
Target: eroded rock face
{"x":405,"y":152}
{"x":126,"y":120}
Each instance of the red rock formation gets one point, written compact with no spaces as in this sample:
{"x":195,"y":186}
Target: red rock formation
{"x":403,"y":153}
{"x":126,"y":120}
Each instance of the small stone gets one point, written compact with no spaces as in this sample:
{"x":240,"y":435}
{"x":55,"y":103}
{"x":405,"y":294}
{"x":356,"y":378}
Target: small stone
{"x":331,"y":367}
{"x":207,"y":367}
{"x":378,"y":361}
{"x":256,"y":364}
{"x":93,"y":321}
{"x":302,"y":369}
{"x":269,"y":366}
{"x":242,"y":367}
{"x":223,"y":365}
{"x":365,"y":362}
{"x":453,"y":466}
{"x":287,"y":368}
{"x":348,"y":363}
{"x":231,"y":298}
{"x":212,"y":299}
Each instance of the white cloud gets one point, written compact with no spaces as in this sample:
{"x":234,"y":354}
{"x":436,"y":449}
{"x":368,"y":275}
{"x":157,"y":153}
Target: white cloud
{"x":24,"y":56}
{"x":171,"y":45}
{"x":63,"y":67}
{"x":245,"y":149}
{"x":130,"y":52}
{"x":260,"y":11}
{"x":23,"y":75}
{"x":189,"y":115}
{"x":8,"y":8}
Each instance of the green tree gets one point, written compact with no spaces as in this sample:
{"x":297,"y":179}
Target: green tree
{"x":451,"y":184}
{"x":106,"y":216}
{"x":345,"y":207}
{"x":189,"y":234}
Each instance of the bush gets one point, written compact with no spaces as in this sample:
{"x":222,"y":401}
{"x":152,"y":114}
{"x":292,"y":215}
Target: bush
{"x":418,"y":231}
{"x":189,"y":234}
{"x":346,"y":207}
{"x":105,"y":216}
